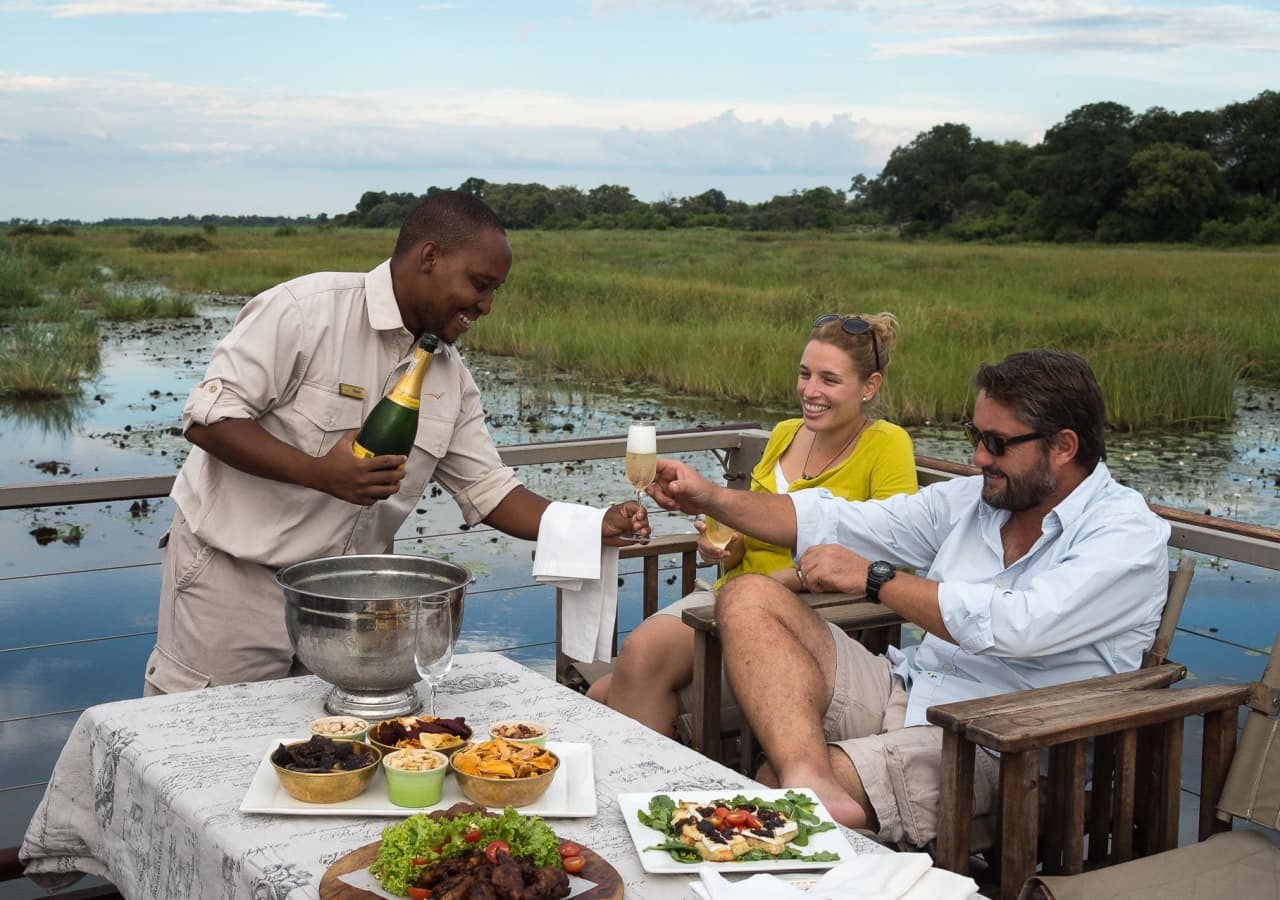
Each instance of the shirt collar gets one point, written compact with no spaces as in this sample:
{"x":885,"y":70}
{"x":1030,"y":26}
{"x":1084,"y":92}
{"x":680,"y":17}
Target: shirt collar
{"x":380,"y":299}
{"x":1071,"y":508}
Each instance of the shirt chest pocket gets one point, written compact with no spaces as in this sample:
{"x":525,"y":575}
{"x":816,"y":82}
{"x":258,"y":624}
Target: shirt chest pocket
{"x":322,"y":416}
{"x":434,"y":435}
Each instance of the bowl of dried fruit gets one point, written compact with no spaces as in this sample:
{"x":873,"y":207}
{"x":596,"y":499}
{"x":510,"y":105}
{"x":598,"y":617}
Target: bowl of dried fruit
{"x":420,"y":732}
{"x":501,"y":773}
{"x":321,"y":770}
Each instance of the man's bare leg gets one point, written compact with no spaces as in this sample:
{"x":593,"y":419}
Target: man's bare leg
{"x":845,"y":773}
{"x":780,"y":659}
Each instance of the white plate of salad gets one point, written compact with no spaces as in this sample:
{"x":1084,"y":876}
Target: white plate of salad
{"x":819,"y":844}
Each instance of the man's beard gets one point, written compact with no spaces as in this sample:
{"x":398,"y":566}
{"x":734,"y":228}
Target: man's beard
{"x":1022,"y":492}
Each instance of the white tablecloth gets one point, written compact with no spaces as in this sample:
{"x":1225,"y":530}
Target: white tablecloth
{"x":147,"y":792}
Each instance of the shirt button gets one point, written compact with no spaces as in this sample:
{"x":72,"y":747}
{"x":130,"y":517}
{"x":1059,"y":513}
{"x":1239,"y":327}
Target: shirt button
{"x":213,"y":389}
{"x":329,"y":420}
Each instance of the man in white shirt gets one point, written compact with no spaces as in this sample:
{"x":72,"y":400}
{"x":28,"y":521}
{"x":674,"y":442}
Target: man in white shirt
{"x":1040,"y":570}
{"x":273,"y":480}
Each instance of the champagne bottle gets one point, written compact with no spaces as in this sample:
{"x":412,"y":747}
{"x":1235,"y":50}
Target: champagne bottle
{"x":393,"y":424}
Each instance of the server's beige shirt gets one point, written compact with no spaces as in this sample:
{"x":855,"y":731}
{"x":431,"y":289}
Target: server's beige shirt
{"x":291,"y":362}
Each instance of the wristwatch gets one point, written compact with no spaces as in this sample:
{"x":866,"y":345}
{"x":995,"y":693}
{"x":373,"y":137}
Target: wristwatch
{"x":877,"y":574}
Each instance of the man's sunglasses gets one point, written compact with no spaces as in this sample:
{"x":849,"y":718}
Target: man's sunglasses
{"x":853,"y":325}
{"x":995,"y":444}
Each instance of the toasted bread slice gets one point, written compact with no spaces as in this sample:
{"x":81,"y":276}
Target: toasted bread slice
{"x":712,"y":850}
{"x":771,"y":840}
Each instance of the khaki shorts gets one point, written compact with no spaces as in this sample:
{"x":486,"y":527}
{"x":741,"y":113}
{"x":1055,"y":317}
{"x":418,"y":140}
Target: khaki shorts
{"x":221,"y":619}
{"x":900,"y":767}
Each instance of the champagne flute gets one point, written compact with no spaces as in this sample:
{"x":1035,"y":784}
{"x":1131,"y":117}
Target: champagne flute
{"x":642,"y":459}
{"x":433,"y":642}
{"x":718,"y":535}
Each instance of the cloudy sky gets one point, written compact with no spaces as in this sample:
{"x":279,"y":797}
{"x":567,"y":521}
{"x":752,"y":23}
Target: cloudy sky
{"x":168,"y":107}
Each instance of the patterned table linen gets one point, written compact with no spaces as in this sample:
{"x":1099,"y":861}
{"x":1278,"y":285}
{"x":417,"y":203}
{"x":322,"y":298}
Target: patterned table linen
{"x":146,"y":793}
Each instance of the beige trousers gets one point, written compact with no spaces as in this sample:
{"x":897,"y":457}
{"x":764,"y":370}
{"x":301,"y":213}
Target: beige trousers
{"x":900,"y":767}
{"x":221,"y":619}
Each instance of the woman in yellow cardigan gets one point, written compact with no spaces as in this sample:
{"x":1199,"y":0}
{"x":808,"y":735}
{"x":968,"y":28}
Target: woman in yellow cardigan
{"x":836,"y":445}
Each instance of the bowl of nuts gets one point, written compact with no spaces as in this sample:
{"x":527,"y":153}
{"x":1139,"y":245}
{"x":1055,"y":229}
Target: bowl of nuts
{"x":526,"y":731}
{"x":341,"y":728}
{"x":415,"y":778}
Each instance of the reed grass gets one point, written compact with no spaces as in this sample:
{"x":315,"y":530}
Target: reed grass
{"x":117,"y":307}
{"x":1170,"y":331}
{"x":46,"y":360}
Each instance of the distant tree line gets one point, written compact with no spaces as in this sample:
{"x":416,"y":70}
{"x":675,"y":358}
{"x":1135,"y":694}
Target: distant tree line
{"x":614,"y":206}
{"x":1103,"y":173}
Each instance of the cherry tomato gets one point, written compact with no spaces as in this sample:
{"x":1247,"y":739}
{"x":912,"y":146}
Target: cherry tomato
{"x":721,"y":812}
{"x":753,"y":821}
{"x":421,"y":860}
{"x":472,"y":834}
{"x":737,"y":817}
{"x":417,"y":893}
{"x":493,"y":848}
{"x":568,"y":849}
{"x":573,"y":864}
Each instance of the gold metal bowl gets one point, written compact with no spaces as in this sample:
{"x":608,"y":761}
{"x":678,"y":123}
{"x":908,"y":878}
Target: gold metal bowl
{"x":384,"y":749}
{"x":328,"y":787}
{"x":489,"y":790}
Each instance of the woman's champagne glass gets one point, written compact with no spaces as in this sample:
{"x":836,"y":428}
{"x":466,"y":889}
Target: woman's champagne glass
{"x":642,"y":457}
{"x":433,"y":642}
{"x":718,"y":535}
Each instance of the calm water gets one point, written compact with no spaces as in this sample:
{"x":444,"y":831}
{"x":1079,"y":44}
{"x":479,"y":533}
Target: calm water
{"x":71,"y":576}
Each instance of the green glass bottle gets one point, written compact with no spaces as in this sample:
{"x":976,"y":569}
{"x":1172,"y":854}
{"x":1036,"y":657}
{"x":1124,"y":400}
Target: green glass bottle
{"x":393,"y":424}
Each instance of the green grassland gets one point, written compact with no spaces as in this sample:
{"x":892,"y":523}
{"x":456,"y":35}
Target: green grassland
{"x":1170,"y":331}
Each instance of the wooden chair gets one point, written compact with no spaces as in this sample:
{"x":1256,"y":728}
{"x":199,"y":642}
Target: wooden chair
{"x":875,"y":626}
{"x":1236,"y":781}
{"x":1133,"y":806}
{"x":580,"y":675}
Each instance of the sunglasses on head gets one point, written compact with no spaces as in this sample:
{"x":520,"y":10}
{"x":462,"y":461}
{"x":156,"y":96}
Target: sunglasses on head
{"x":853,"y":325}
{"x":995,"y":444}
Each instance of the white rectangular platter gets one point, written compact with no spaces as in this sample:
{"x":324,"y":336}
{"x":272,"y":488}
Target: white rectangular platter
{"x":572,"y":793}
{"x":661,"y":862}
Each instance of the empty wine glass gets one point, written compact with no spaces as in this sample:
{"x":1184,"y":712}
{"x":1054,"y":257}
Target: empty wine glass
{"x":718,"y":535}
{"x":433,"y":642}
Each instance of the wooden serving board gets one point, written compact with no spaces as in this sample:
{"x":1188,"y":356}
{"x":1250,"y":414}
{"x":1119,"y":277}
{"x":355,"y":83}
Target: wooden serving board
{"x":606,"y":878}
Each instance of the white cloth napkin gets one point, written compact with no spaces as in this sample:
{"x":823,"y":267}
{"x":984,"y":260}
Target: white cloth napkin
{"x":570,"y":556}
{"x":872,"y":876}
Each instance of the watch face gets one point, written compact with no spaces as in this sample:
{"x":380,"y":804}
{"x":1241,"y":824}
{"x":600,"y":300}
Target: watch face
{"x":880,"y":569}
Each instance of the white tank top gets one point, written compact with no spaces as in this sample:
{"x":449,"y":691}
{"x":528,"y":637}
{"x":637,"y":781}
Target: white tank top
{"x":780,"y":481}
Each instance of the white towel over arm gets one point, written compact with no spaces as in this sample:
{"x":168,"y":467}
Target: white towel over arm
{"x":570,"y":557}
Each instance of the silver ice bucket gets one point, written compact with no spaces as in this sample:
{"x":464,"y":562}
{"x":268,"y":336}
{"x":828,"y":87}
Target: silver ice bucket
{"x":351,"y":621}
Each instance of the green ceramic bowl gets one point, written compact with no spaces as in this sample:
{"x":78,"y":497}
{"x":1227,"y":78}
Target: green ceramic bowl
{"x":415,"y":778}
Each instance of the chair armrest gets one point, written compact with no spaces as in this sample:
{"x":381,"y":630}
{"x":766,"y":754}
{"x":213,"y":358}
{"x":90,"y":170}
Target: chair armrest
{"x":958,"y":716}
{"x":1092,"y":716}
{"x":661,"y":544}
